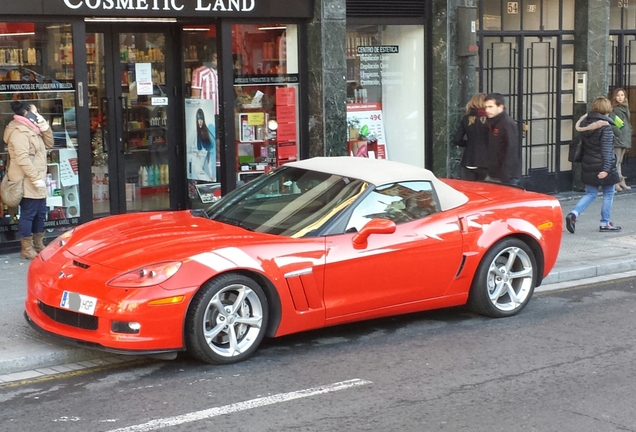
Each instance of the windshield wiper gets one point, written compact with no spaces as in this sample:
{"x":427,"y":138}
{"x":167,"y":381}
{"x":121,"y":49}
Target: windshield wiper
{"x":199,"y":213}
{"x":235,"y":222}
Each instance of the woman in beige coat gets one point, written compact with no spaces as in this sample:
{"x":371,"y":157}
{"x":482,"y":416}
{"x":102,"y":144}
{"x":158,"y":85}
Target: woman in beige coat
{"x":27,"y":136}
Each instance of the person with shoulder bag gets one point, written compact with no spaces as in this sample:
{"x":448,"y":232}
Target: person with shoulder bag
{"x":27,"y":137}
{"x":472,"y":135}
{"x":598,"y":165}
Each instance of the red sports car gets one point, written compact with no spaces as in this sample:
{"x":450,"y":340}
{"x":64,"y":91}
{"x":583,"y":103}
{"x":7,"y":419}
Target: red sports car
{"x":314,"y":243}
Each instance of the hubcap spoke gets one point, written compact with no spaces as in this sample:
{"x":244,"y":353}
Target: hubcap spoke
{"x":213,"y":332}
{"x":494,"y":268}
{"x":499,"y":288}
{"x":234,"y":347}
{"x":513,"y":295}
{"x":526,"y":272}
{"x":512,"y":256}
{"x":242,"y":293}
{"x":216,"y":304}
{"x":250,"y":321}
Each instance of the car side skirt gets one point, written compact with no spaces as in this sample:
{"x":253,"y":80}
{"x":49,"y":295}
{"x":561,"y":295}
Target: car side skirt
{"x":420,"y":306}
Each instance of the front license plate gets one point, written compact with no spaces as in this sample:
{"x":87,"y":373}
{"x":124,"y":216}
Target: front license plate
{"x":78,"y":303}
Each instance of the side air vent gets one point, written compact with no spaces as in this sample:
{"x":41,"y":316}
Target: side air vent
{"x":385,"y":8}
{"x":80,"y":265}
{"x":461,"y":266}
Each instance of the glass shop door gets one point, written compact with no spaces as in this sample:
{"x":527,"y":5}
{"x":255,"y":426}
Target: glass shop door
{"x":131,"y":163}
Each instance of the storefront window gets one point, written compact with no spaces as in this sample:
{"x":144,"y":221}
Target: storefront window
{"x":266,"y":97}
{"x":36,"y":65}
{"x":385,"y":92}
{"x":265,"y":61}
{"x":203,"y":156}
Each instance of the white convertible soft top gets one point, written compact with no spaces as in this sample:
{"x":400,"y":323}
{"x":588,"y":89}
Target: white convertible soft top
{"x":380,"y":172}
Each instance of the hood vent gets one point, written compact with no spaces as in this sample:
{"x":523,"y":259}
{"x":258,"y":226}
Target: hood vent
{"x":81,"y":265}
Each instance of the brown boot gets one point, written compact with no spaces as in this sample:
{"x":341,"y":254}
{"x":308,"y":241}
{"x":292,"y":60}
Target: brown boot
{"x":27,"y":248}
{"x":38,"y":242}
{"x":624,"y":185}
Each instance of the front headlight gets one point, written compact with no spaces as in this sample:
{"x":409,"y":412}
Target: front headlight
{"x":152,"y":274}
{"x":56,"y":245}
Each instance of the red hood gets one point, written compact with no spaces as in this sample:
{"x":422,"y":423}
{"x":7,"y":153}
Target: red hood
{"x":132,"y":240}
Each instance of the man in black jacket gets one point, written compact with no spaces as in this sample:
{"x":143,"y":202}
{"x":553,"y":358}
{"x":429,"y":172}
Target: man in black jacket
{"x":504,"y":162}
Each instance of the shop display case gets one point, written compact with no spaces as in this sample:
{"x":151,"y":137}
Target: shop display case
{"x":40,"y":71}
{"x":266,"y":77}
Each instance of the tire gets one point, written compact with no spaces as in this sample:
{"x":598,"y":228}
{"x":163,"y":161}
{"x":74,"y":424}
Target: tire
{"x":505,"y":279}
{"x":227,"y":319}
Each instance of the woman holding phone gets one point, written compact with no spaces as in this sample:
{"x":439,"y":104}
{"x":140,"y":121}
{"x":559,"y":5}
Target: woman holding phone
{"x":28,"y":136}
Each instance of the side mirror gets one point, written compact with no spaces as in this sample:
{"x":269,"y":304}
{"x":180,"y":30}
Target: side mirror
{"x":374,"y":226}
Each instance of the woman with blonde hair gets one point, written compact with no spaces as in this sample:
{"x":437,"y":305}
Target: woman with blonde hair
{"x":472,"y":135}
{"x":598,"y":167}
{"x":622,"y":131}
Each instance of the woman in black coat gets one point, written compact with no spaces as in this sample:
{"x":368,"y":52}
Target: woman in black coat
{"x":598,"y":167}
{"x":472,"y":135}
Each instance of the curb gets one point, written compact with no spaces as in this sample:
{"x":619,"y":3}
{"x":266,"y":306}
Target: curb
{"x":571,"y":274}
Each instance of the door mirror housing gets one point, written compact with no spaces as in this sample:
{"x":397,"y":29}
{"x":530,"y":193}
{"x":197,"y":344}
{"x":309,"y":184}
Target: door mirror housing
{"x":374,"y":226}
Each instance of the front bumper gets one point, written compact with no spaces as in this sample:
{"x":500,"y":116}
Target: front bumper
{"x":161,"y":326}
{"x":92,"y":345}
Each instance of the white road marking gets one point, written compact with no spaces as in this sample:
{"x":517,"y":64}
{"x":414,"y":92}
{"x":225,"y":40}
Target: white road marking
{"x":241,"y":406}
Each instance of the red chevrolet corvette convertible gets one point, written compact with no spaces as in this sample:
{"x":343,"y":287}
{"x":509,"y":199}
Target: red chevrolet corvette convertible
{"x":314,"y":243}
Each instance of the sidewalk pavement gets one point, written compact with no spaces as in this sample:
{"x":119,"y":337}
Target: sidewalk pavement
{"x":25,"y":353}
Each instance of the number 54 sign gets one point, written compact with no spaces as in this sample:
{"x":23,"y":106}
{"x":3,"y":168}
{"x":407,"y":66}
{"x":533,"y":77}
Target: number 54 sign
{"x":513,"y":7}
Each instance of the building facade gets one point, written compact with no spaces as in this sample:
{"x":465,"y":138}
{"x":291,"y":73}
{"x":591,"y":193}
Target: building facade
{"x":168,"y":104}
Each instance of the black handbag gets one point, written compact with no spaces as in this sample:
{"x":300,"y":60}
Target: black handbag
{"x":576,"y":149}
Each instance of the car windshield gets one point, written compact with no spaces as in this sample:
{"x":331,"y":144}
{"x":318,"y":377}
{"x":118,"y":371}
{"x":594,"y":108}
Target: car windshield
{"x":289,"y":201}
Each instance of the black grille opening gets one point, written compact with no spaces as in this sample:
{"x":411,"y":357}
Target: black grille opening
{"x":70,"y":318}
{"x":384,"y":8}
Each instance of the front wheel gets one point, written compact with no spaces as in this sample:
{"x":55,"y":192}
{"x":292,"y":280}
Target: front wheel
{"x":227,"y":319}
{"x":505,"y":279}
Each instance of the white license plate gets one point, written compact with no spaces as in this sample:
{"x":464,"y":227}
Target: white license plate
{"x":78,"y":303}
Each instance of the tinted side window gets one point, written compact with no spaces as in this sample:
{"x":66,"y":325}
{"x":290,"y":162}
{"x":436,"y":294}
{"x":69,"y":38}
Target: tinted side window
{"x":399,"y":202}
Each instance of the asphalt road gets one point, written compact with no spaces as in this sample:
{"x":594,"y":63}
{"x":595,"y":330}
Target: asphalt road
{"x":564,"y":364}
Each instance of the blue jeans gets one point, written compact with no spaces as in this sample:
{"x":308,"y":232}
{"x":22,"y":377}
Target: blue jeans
{"x":32,"y":216}
{"x":590,"y":195}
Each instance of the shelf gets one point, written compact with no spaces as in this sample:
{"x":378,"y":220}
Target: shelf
{"x":148,"y":129}
{"x":144,"y":190}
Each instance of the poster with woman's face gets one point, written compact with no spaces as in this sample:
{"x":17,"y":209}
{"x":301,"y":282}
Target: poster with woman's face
{"x":200,"y":139}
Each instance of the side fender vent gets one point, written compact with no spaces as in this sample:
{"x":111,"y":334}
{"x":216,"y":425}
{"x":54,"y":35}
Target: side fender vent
{"x":461,"y":266}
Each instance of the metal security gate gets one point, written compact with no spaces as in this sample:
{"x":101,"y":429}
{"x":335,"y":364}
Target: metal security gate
{"x":536,"y":79}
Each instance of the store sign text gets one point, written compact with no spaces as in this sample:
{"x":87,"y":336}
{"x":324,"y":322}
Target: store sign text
{"x":166,"y":5}
{"x":36,"y":86}
{"x":382,"y":49}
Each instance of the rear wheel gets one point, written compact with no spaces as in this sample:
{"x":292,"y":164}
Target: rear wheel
{"x":227,"y":319}
{"x":505,"y":279}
